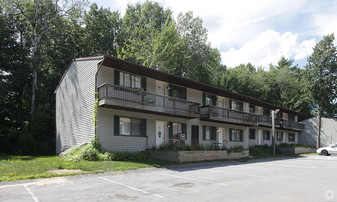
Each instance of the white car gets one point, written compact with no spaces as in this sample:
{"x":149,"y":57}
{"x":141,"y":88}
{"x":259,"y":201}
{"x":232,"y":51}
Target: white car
{"x":326,"y":151}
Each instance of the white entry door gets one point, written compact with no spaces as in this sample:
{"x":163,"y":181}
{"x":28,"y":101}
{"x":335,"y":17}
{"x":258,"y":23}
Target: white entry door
{"x":220,"y":136}
{"x":160,"y":133}
{"x":160,"y":88}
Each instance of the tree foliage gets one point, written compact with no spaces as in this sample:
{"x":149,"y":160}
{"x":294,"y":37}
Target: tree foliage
{"x":322,"y":78}
{"x":39,"y":39}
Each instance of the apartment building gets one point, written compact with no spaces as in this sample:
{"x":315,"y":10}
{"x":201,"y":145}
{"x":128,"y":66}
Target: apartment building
{"x":130,"y":107}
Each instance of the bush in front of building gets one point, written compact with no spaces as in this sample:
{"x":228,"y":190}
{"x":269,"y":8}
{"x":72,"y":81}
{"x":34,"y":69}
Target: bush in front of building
{"x":94,"y":152}
{"x":261,"y":150}
{"x":177,"y":147}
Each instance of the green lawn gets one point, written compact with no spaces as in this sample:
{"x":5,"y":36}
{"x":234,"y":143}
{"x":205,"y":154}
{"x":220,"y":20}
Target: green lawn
{"x":14,"y":168}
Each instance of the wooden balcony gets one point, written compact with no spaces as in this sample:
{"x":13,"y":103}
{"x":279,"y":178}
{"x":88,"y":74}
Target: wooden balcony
{"x":218,"y":114}
{"x":227,"y":115}
{"x":119,"y":97}
{"x":280,"y":123}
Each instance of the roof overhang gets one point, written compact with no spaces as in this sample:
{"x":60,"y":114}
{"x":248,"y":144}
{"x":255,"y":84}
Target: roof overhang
{"x":116,"y":63}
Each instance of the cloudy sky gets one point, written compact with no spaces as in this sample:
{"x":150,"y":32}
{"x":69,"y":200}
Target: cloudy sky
{"x":256,"y":31}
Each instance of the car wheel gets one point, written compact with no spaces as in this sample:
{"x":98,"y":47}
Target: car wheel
{"x":324,"y":152}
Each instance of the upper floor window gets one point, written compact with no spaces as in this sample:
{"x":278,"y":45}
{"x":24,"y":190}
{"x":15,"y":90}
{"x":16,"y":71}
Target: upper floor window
{"x":291,"y":117}
{"x":129,"y":80}
{"x":177,"y":92}
{"x":251,"y":108}
{"x":266,"y":112}
{"x":279,"y":115}
{"x":236,"y":105}
{"x":209,"y":99}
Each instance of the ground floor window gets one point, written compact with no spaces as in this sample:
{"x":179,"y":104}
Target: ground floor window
{"x":279,"y":136}
{"x":235,"y":135}
{"x":252,"y":134}
{"x":128,"y":126}
{"x":177,"y":130}
{"x":209,"y":133}
{"x":266,"y":135}
{"x":291,"y":137}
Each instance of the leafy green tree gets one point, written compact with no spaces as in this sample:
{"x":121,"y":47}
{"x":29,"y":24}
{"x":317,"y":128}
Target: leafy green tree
{"x":241,"y":79}
{"x":321,"y":71}
{"x":140,"y":26}
{"x":14,"y":80}
{"x":101,"y":31}
{"x":201,"y":59}
{"x":168,"y":50}
{"x":39,"y":16}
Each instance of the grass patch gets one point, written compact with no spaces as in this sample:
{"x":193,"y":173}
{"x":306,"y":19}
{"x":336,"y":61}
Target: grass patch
{"x":14,"y":168}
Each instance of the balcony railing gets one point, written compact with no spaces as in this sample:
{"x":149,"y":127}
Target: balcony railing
{"x":219,"y":113}
{"x":139,"y":99}
{"x":227,"y":115}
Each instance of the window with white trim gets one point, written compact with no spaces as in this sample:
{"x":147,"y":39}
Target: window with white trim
{"x":130,"y":126}
{"x":252,"y":134}
{"x":235,"y":135}
{"x":129,"y":80}
{"x":279,"y":136}
{"x":266,"y":135}
{"x":291,"y":137}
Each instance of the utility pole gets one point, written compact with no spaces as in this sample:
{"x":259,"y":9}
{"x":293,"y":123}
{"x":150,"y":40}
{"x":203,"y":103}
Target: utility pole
{"x":273,"y":113}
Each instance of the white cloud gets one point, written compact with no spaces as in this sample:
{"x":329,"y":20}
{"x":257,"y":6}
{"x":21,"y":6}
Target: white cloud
{"x":268,"y":47}
{"x":238,"y":28}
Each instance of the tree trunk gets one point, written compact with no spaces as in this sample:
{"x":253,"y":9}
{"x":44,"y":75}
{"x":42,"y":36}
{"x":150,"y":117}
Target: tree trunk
{"x":319,"y":129}
{"x":34,"y":85}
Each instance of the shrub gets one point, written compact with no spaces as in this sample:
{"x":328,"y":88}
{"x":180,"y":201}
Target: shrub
{"x":261,"y":150}
{"x":235,"y":149}
{"x":176,"y":147}
{"x":92,"y":152}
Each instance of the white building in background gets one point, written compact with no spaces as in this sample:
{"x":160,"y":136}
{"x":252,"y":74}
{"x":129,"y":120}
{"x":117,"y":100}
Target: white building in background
{"x":139,"y":108}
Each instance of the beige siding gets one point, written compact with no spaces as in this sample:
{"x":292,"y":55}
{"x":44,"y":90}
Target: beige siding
{"x":194,"y":95}
{"x":75,"y":100}
{"x":246,"y":107}
{"x":151,"y":85}
{"x":105,"y":132}
{"x":105,"y":75}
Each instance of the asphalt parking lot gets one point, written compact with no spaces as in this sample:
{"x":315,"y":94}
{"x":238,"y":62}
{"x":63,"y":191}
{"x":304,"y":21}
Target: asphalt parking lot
{"x":309,"y":178}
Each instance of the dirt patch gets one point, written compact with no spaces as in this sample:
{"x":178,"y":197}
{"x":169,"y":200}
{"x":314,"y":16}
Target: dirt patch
{"x":62,"y":171}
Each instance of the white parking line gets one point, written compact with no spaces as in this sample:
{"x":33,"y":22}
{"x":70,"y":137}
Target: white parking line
{"x":193,"y":179}
{"x":35,"y":199}
{"x":143,"y":191}
{"x":220,"y":171}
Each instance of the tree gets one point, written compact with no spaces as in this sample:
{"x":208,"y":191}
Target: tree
{"x":141,"y":25}
{"x":101,"y":31}
{"x":321,"y":71}
{"x":39,"y":16}
{"x":202,"y":60}
{"x":168,"y":50}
